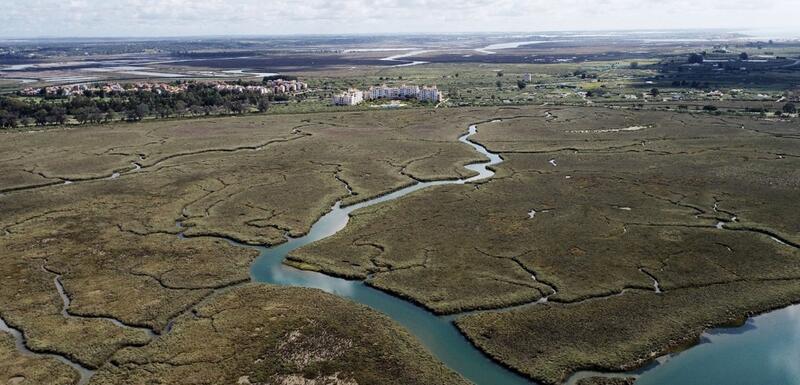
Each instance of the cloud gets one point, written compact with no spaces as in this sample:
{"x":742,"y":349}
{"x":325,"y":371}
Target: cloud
{"x":64,"y":18}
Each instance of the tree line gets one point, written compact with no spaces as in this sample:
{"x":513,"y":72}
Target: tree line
{"x":97,"y":106}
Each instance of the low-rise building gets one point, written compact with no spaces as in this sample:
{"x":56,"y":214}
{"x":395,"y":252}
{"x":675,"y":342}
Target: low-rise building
{"x":281,"y":85}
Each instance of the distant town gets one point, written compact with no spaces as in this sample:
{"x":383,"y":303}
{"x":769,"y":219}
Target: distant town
{"x":276,"y":86}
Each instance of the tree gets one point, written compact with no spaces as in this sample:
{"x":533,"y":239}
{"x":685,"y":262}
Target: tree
{"x":634,"y":65}
{"x":59,"y":114}
{"x":499,"y":74}
{"x":164,"y":111}
{"x":744,"y":56}
{"x":521,"y":84}
{"x":237,"y":107}
{"x":95,"y":115}
{"x":789,"y":108}
{"x":5,"y":118}
{"x":180,"y":108}
{"x":695,"y":58}
{"x":453,"y":92}
{"x":82,"y":114}
{"x":263,"y":105}
{"x":196,"y":109}
{"x":499,"y":84}
{"x":141,"y":111}
{"x":8,"y":119}
{"x":654,"y":92}
{"x":41,"y":116}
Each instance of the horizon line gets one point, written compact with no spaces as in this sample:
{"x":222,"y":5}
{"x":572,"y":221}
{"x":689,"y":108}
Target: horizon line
{"x":742,"y":31}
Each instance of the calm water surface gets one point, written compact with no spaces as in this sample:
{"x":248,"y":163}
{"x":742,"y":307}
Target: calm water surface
{"x":438,"y":334}
{"x":766,"y":351}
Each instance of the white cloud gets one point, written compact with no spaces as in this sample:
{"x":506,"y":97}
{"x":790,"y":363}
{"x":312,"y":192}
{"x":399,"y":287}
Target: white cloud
{"x":217,"y":17}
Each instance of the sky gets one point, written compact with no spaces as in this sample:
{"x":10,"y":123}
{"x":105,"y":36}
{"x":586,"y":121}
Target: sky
{"x":153,"y":18}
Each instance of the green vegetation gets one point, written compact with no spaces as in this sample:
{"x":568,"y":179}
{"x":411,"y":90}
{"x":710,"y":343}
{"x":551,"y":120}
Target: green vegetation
{"x":112,"y":240}
{"x":606,"y":381}
{"x":16,"y":368}
{"x":591,"y":209}
{"x":643,"y":203}
{"x":97,"y":107}
{"x":551,"y":341}
{"x":707,"y":77}
{"x":591,"y":204}
{"x":260,"y":334}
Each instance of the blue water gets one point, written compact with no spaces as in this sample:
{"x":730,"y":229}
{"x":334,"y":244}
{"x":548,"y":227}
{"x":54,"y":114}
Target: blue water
{"x":766,"y":351}
{"x":437,"y":334}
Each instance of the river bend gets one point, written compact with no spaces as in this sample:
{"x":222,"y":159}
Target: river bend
{"x":437,"y":333}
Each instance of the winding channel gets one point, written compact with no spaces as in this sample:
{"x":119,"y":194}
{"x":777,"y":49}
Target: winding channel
{"x":84,"y":373}
{"x":437,"y":333}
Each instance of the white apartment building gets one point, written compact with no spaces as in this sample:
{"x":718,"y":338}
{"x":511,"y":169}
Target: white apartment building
{"x":352,"y":97}
{"x":429,"y":94}
{"x":402,"y":92}
{"x":349,"y":98}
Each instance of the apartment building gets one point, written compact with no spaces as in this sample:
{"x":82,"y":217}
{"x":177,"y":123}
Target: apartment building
{"x":350,"y":97}
{"x":424,"y":94}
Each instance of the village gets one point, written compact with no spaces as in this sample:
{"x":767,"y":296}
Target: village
{"x":274,"y":86}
